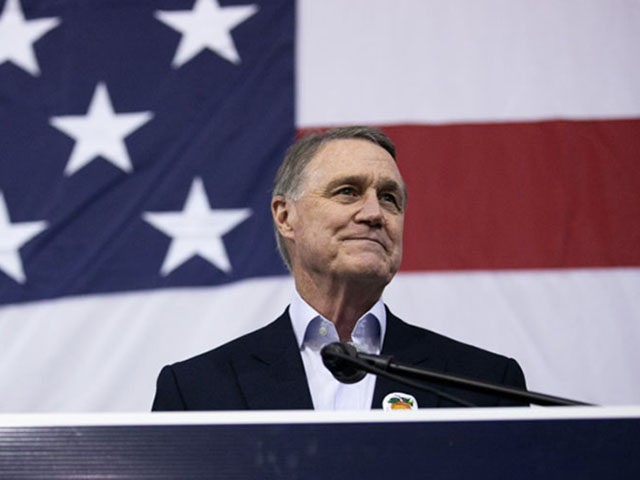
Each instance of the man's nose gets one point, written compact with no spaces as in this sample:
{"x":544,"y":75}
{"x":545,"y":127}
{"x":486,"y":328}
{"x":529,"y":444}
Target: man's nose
{"x":370,"y":211}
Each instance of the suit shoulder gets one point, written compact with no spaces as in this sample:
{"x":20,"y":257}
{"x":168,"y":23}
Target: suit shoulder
{"x":439,"y":352}
{"x":459,"y":357}
{"x":443,"y":344}
{"x":226,"y":352}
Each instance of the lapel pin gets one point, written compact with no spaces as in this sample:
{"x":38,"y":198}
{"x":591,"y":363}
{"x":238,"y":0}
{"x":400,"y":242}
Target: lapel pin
{"x":399,"y":401}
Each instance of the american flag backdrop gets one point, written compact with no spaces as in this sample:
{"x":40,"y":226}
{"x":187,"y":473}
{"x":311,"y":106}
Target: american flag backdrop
{"x":139,"y":139}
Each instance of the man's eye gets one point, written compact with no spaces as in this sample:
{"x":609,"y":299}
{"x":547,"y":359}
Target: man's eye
{"x":346,"y":191}
{"x":390,"y":197}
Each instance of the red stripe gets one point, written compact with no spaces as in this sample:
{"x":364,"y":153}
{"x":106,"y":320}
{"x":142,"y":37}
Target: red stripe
{"x":530,"y":195}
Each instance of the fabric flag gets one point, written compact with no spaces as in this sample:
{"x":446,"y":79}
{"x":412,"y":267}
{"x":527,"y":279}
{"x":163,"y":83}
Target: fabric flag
{"x":139,"y":140}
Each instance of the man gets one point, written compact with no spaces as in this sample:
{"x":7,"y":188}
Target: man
{"x":338,"y":209}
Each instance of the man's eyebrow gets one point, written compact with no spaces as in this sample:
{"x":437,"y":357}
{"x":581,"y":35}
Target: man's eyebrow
{"x":390,"y":184}
{"x":346,"y":180}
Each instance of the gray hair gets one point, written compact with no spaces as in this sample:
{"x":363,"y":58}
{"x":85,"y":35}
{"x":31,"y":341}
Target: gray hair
{"x":291,"y":172}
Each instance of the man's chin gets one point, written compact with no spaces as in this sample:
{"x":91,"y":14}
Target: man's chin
{"x":369,"y":272}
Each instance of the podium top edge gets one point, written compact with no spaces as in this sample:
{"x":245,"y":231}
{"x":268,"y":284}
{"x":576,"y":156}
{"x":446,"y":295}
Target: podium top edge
{"x":256,"y":417}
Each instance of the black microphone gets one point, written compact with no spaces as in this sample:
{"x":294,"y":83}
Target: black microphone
{"x":342,"y":369}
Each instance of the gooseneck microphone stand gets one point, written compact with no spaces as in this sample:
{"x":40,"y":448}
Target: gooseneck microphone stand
{"x":349,"y":366}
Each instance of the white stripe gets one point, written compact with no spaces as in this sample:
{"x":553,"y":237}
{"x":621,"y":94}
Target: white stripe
{"x":433,"y":61}
{"x":574,"y":332}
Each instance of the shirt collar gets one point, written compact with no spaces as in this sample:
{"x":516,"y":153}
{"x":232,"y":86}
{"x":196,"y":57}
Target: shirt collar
{"x":315,"y":331}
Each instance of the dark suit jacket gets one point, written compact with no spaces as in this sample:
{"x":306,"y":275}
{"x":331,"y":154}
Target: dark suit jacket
{"x":263,"y":370}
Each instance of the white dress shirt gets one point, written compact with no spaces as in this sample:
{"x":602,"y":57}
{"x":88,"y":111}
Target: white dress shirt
{"x":313,"y":332}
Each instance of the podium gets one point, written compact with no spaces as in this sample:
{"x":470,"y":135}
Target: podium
{"x":514,"y":443}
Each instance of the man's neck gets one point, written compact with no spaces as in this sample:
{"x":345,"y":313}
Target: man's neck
{"x":343,"y":303}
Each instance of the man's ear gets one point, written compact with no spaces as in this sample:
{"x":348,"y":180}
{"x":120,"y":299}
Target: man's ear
{"x":282,"y":215}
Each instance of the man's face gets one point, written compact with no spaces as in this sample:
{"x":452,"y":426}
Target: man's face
{"x":348,"y":219}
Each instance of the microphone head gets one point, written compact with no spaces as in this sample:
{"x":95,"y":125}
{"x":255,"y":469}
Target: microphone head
{"x":333,"y":357}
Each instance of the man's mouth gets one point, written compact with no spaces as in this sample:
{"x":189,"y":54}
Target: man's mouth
{"x":368,"y":239}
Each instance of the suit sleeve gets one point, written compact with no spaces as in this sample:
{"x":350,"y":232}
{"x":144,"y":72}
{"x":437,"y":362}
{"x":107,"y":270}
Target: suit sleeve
{"x":168,"y":396}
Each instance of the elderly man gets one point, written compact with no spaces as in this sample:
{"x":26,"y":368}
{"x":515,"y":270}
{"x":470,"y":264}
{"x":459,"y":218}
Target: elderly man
{"x":338,"y":210}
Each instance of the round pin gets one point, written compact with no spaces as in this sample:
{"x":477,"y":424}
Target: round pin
{"x":399,"y":401}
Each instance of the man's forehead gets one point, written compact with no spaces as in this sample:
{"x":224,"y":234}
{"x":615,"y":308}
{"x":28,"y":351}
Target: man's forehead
{"x":353,"y":157}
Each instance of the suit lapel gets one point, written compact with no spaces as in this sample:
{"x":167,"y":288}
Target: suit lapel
{"x":272,"y":377}
{"x":271,"y":374}
{"x":408,"y":345}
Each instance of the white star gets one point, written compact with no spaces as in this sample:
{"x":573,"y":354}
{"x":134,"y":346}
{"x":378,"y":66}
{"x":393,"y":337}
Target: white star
{"x":208,"y":25}
{"x":197,"y":230}
{"x":100,"y":132}
{"x":18,"y":35}
{"x":12,"y":237}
